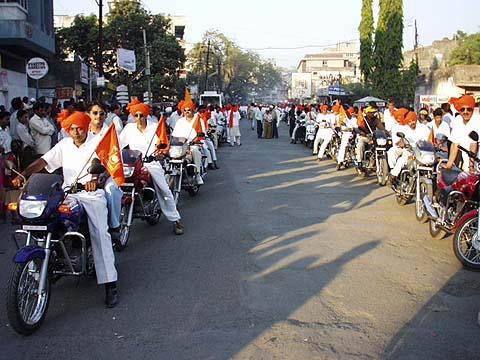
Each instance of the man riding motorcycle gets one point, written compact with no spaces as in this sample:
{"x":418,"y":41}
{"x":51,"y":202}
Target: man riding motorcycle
{"x":372,"y":123}
{"x":72,"y":154}
{"x":141,"y":136}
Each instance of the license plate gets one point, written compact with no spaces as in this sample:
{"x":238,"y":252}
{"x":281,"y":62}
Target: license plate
{"x":34,"y":227}
{"x":128,"y":184}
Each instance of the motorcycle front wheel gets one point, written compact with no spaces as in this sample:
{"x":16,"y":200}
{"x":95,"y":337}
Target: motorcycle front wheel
{"x":382,"y":172}
{"x":155,"y":212}
{"x":173,"y":184}
{"x":466,"y":244}
{"x":124,"y":235}
{"x":26,"y":310}
{"x":420,"y":212}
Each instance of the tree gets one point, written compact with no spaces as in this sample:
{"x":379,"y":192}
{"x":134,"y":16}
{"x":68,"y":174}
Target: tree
{"x":124,"y":28}
{"x":366,"y":43}
{"x":467,"y":52}
{"x":232,"y":70}
{"x":387,"y":80}
{"x":409,"y":78}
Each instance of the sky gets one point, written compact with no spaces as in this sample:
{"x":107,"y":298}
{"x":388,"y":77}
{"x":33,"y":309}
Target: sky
{"x":308,"y":24}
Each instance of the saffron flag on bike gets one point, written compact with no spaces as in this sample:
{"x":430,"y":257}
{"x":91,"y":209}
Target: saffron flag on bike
{"x":109,"y":153}
{"x":162,"y":134}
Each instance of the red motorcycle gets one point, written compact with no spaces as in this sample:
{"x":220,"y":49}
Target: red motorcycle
{"x":139,"y":199}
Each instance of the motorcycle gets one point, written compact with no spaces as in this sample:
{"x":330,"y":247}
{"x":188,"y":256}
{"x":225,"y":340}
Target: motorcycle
{"x":181,"y":172}
{"x":456,"y":194}
{"x":57,"y":244}
{"x":382,"y":144}
{"x":466,"y":240}
{"x":139,"y":200}
{"x":301,"y":130}
{"x":334,"y":144}
{"x":311,"y":131}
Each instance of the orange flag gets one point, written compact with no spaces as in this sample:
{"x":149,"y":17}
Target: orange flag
{"x":109,"y":153}
{"x":162,"y":134}
{"x":187,"y":95}
{"x":342,"y":115}
{"x":360,"y":118}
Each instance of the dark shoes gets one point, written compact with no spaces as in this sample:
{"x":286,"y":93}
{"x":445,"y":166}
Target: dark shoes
{"x":216,"y":165}
{"x":178,"y":228}
{"x":111,"y":294}
{"x":210,"y":166}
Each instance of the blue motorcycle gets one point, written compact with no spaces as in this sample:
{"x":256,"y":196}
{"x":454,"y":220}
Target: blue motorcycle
{"x":55,"y":231}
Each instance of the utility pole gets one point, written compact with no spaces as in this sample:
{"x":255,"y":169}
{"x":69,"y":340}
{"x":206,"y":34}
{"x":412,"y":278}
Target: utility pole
{"x":147,"y":67}
{"x":416,"y":42}
{"x":100,"y":44}
{"x":206,"y":66}
{"x":219,"y":76}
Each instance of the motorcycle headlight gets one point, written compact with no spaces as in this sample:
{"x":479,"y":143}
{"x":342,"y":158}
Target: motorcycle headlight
{"x":175,"y":152}
{"x":426,"y":158}
{"x":381,"y":141}
{"x":128,"y":171}
{"x":31,"y":209}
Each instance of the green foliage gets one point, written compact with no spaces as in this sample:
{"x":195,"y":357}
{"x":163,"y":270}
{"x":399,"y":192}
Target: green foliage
{"x":387,"y":78}
{"x":241,"y":72}
{"x":468,"y":51}
{"x":406,"y":94}
{"x":366,"y":43}
{"x":124,"y":28}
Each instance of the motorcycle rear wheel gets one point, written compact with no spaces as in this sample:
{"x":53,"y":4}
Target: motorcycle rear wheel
{"x":154,"y":218}
{"x":463,"y":245}
{"x":26,"y":310}
{"x":173,"y":183}
{"x":435,"y":231}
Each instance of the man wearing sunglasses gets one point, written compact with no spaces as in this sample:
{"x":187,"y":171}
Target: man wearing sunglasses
{"x":462,"y":125}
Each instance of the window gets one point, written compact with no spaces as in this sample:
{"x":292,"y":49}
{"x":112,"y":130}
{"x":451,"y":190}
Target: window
{"x":324,"y":63}
{"x":179,"y":32}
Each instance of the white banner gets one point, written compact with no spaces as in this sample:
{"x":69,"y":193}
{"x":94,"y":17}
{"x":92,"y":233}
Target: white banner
{"x":126,"y":60}
{"x":84,"y":73}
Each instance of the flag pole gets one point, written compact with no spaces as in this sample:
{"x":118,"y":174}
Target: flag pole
{"x":94,"y":151}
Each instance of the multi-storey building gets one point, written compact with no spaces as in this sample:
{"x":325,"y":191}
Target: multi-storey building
{"x":26,"y":31}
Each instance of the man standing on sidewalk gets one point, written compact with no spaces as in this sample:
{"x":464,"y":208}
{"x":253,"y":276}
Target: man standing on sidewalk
{"x":259,"y":118}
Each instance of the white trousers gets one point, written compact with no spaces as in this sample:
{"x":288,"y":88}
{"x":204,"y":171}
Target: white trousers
{"x":397,"y":159}
{"x":197,"y":156}
{"x":95,"y":205}
{"x":325,"y":135}
{"x":114,"y":202}
{"x":164,"y":194}
{"x":343,"y":146}
{"x":234,"y":135}
{"x":207,"y":152}
{"x":211,"y":149}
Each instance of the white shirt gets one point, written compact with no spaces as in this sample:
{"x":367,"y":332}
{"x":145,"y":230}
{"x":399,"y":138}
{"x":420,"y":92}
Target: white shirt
{"x":184,"y":129}
{"x":325,"y":120}
{"x":388,"y":120}
{"x":421,"y":132}
{"x":112,"y":117}
{"x":98,"y":136}
{"x":448,"y":118}
{"x":443,"y":129}
{"x":5,"y":140}
{"x":24,"y":135}
{"x":142,"y":141}
{"x":460,"y":132}
{"x":236,"y":118}
{"x":41,"y":130}
{"x":71,"y":159}
{"x":172,"y":119}
{"x":257,"y":114}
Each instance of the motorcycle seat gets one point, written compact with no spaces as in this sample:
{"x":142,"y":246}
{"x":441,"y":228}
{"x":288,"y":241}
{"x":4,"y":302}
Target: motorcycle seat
{"x":450,"y":176}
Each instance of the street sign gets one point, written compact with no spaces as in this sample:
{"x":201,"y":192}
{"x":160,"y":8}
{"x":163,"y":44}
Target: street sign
{"x":37,"y":68}
{"x":126,"y":60}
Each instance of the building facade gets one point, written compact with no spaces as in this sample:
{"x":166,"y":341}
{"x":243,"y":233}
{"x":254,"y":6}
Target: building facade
{"x":334,"y":66}
{"x":26,"y":31}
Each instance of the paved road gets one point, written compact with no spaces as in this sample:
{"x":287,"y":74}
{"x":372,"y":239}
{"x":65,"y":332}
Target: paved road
{"x":283,"y":257}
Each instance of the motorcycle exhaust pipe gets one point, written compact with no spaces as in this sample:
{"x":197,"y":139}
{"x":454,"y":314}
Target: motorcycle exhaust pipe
{"x":431,"y":212}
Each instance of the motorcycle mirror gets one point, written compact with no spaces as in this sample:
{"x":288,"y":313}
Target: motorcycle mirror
{"x":96,"y":169}
{"x":474,"y":136}
{"x":400,"y":134}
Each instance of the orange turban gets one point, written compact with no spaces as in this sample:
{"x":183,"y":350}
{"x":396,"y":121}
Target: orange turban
{"x":63,"y":115}
{"x":79,"y":119}
{"x":188,"y":104}
{"x":404,"y":116}
{"x":140,"y":107}
{"x":131,"y":103}
{"x":180,"y":104}
{"x":464,"y":101}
